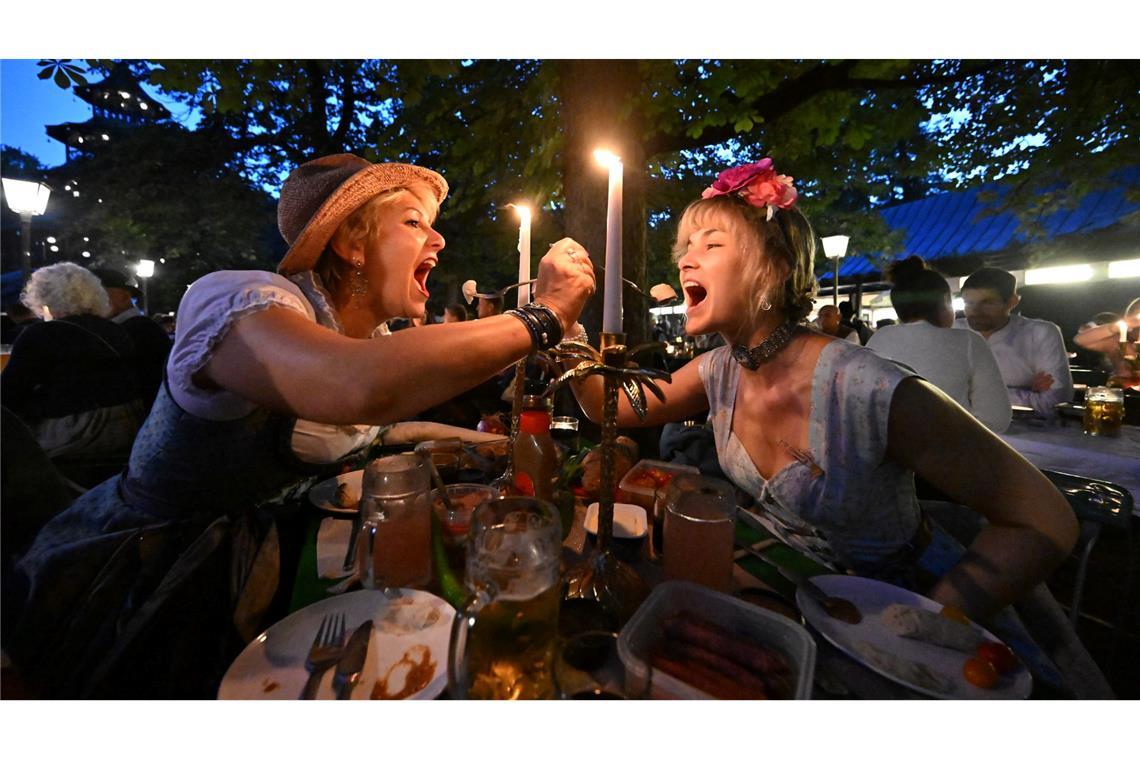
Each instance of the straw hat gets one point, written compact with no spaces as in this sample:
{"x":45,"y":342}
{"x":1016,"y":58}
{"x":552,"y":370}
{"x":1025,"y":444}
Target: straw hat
{"x":320,"y":194}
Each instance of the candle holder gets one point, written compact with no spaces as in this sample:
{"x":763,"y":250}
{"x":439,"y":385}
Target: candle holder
{"x":505,"y":482}
{"x":602,"y":577}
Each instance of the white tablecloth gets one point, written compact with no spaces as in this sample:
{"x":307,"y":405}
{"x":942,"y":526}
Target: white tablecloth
{"x":1061,"y":445}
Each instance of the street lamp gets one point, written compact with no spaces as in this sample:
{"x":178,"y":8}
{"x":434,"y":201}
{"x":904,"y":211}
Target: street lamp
{"x":145,"y":270}
{"x":27,"y":199}
{"x":834,"y":248}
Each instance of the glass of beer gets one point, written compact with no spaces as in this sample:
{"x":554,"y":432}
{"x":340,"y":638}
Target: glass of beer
{"x":396,"y":522}
{"x":700,"y":519}
{"x":503,"y":639}
{"x":1104,"y":411}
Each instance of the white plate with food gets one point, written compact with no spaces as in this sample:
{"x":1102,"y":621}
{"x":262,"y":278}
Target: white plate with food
{"x":913,"y":659}
{"x":406,"y":659}
{"x":339,"y":495}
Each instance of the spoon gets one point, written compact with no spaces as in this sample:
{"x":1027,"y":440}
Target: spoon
{"x":837,"y":607}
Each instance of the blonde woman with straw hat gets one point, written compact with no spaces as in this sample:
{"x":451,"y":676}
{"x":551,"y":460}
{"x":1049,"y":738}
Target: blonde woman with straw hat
{"x":273,"y":378}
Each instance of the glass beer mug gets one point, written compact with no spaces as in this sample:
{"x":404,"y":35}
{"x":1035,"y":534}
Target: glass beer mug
{"x":503,"y":639}
{"x":395,"y":526}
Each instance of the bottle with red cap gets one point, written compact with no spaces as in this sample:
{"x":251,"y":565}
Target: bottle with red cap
{"x":535,"y":455}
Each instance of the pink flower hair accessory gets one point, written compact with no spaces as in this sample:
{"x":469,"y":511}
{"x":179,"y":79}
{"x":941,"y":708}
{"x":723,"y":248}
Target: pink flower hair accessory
{"x":758,"y":184}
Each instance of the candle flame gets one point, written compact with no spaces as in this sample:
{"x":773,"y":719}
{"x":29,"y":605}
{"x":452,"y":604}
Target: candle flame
{"x":606,"y":158}
{"x":522,"y":210}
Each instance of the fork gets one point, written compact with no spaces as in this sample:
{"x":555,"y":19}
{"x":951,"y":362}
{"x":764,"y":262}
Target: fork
{"x":325,"y":651}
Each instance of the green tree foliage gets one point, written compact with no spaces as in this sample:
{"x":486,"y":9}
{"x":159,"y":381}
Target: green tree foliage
{"x":166,"y":193}
{"x":856,"y":135}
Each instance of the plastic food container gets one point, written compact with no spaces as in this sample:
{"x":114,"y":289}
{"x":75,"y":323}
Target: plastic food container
{"x":642,"y":494}
{"x":762,"y":626}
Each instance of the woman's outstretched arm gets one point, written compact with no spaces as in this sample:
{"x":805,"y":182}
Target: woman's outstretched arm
{"x":1031,"y":526}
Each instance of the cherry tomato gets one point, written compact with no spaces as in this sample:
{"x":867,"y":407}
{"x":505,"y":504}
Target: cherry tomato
{"x":955,"y":614}
{"x":980,"y":673}
{"x":998,"y":655}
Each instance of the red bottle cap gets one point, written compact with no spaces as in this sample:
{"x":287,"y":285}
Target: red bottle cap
{"x":534,"y":423}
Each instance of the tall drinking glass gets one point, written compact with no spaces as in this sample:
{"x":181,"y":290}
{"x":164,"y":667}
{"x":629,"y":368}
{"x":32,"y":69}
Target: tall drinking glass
{"x":503,"y":639}
{"x":700,"y":518}
{"x":396,"y":522}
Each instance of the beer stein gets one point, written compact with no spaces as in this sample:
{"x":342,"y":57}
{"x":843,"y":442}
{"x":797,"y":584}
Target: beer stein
{"x":395,"y":531}
{"x":503,"y":639}
{"x":1104,"y":411}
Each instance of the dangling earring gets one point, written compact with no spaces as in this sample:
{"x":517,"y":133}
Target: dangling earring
{"x":765,"y":304}
{"x":358,"y":285}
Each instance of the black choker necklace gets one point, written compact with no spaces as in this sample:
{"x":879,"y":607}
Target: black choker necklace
{"x":751,"y":358}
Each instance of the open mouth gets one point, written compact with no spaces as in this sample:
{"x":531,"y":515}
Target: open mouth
{"x":694,"y":294}
{"x":421,"y":275}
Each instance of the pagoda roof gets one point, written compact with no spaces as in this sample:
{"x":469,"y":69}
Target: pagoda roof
{"x":121,"y":91}
{"x":86,"y":135}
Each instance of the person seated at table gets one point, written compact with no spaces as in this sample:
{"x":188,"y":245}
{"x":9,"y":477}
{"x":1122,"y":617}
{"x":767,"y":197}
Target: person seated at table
{"x":455,"y":312}
{"x":958,"y":362}
{"x":71,"y":377}
{"x":851,"y":321}
{"x":489,"y":306}
{"x":1030,"y":352}
{"x":830,"y":322}
{"x":1104,"y":338}
{"x":143,"y":585}
{"x":828,"y":437}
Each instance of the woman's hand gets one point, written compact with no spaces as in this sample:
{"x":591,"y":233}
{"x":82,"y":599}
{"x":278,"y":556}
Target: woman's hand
{"x":565,"y":281}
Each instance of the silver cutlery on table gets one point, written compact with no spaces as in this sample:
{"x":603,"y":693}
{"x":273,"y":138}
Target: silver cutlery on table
{"x":327,"y":647}
{"x":351,"y":663}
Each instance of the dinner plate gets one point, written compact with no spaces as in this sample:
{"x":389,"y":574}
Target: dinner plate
{"x":412,"y":628}
{"x":872,"y":597}
{"x":323,"y":494}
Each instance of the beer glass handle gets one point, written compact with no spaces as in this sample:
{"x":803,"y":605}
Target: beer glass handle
{"x":364,"y":553}
{"x":457,"y":670}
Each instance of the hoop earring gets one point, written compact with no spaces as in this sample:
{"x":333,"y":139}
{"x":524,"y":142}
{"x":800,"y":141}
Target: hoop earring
{"x":358,"y":284}
{"x":765,"y":304}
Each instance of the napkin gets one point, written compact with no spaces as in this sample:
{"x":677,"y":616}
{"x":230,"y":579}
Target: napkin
{"x":332,"y":543}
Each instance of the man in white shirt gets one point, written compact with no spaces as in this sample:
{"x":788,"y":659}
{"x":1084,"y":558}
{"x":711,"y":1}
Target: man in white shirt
{"x":1030,"y":352}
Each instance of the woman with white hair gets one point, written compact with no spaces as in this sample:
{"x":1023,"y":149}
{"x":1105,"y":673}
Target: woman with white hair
{"x":70,"y":376}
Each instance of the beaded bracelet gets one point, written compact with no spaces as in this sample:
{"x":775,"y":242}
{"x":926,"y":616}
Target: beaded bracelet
{"x":543,"y":324}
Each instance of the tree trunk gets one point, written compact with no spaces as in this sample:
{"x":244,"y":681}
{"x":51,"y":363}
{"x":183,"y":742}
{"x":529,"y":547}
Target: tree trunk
{"x":596,"y":101}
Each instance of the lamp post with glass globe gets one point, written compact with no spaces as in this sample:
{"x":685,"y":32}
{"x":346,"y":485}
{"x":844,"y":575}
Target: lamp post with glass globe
{"x":145,"y":270}
{"x":27,"y":199}
{"x":834,"y":248}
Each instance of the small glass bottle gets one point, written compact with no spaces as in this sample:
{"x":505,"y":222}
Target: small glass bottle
{"x":535,"y":455}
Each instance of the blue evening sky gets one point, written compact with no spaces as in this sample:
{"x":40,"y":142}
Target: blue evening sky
{"x":28,"y":105}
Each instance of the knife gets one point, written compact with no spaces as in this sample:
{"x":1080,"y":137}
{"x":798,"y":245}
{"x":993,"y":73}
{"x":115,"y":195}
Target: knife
{"x":352,"y":661}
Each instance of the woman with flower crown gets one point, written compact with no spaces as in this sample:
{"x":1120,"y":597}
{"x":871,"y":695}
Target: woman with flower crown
{"x":827,"y":437}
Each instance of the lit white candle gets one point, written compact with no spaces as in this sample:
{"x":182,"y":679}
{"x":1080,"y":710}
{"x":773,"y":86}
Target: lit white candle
{"x":524,"y":251}
{"x":611,"y":305}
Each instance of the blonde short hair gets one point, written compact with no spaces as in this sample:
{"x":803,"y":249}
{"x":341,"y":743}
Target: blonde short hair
{"x":780,"y":253}
{"x":66,"y":290}
{"x":361,"y":225}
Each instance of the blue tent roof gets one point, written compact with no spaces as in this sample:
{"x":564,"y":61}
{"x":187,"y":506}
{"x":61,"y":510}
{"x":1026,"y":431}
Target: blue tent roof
{"x":953,"y":224}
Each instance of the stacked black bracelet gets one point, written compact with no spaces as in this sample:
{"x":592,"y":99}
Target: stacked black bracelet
{"x":543,"y":324}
